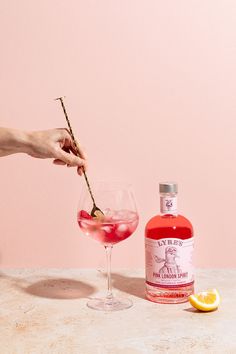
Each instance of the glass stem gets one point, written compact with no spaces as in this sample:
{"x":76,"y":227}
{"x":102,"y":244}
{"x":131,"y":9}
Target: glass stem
{"x":109,"y":297}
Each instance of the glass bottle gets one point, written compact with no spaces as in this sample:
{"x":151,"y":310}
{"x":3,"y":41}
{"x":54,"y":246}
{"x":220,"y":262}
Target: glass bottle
{"x":169,"y":248}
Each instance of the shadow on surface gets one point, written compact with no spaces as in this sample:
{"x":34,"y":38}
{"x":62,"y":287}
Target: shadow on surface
{"x":60,"y":289}
{"x":130,"y":285}
{"x":193,"y":310}
{"x":52,"y":288}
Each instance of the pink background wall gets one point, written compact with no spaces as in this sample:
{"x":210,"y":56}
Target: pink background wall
{"x":151,"y":91}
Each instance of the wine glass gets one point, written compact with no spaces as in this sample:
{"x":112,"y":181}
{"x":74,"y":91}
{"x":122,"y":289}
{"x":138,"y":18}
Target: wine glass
{"x":119,"y":221}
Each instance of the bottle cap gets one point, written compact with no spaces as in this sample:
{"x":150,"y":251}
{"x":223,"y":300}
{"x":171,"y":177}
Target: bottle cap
{"x":168,"y":187}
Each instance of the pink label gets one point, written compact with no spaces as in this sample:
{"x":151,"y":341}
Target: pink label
{"x":169,"y":261}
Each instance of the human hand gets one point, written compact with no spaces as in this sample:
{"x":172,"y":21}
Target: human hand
{"x":56,"y":144}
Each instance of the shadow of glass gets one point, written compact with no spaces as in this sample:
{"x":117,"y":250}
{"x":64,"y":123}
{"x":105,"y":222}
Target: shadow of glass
{"x":52,"y":288}
{"x":193,"y":310}
{"x":60,"y":289}
{"x":130,"y":285}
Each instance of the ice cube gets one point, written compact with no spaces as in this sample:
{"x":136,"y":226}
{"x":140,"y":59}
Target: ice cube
{"x":108,"y":212}
{"x":84,"y":225}
{"x":122,"y":228}
{"x":115,"y":217}
{"x":118,"y":214}
{"x":107,"y":229}
{"x":130,"y":215}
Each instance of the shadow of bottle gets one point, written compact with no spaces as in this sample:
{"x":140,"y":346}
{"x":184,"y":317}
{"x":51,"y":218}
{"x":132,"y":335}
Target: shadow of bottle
{"x":130,"y":285}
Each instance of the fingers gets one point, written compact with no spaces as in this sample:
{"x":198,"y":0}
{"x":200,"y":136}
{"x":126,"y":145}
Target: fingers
{"x":69,"y":144}
{"x":59,"y":162}
{"x":81,"y":151}
{"x":80,"y":171}
{"x":76,"y":150}
{"x":68,"y":153}
{"x":68,"y":159}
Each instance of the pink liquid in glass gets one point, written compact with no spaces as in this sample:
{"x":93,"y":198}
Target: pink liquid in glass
{"x":113,"y":227}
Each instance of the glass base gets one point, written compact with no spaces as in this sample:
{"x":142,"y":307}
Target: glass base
{"x":109,"y":305}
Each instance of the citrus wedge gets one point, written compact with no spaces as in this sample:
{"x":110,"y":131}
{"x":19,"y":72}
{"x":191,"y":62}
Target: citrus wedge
{"x":207,"y":300}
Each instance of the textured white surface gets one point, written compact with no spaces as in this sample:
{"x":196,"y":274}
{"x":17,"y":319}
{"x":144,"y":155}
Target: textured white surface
{"x":43,"y":311}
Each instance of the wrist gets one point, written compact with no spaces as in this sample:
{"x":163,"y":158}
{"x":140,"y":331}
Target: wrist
{"x":25,"y":142}
{"x":19,"y":141}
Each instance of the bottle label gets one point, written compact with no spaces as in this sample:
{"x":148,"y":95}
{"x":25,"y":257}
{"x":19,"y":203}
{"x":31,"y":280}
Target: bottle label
{"x":168,"y":205}
{"x":169,"y":262}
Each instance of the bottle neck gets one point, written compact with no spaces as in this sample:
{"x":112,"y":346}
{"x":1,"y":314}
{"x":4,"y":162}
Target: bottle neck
{"x":168,"y":204}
